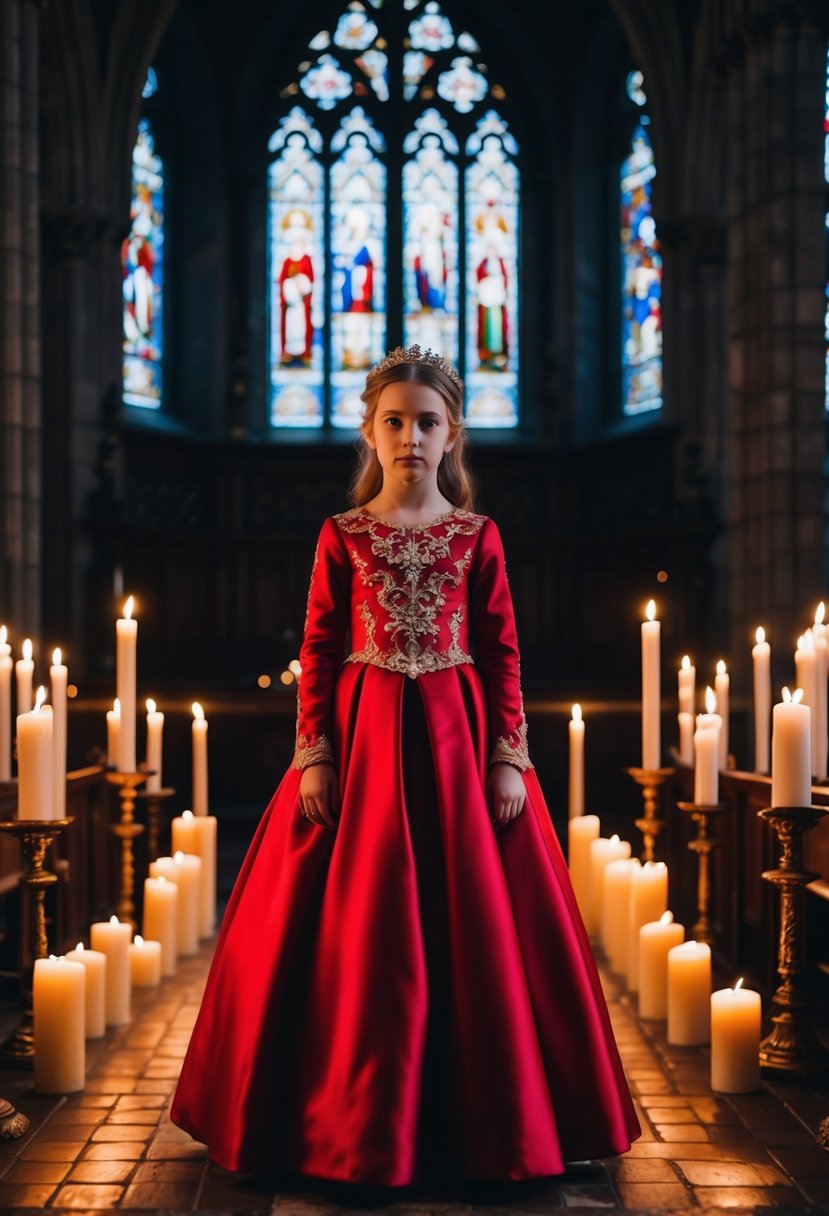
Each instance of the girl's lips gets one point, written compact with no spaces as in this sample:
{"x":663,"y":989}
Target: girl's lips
{"x":410,"y":459}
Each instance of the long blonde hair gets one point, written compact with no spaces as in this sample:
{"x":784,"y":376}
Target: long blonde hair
{"x":455,"y":479}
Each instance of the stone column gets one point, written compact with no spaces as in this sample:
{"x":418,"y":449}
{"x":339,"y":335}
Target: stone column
{"x":776,"y":393}
{"x":20,"y":393}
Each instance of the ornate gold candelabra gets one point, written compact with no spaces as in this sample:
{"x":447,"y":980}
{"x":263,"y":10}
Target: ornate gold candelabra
{"x":127,"y":830}
{"x":35,"y":836}
{"x":792,"y":1045}
{"x":155,"y":801}
{"x":650,"y":781}
{"x":702,"y":814}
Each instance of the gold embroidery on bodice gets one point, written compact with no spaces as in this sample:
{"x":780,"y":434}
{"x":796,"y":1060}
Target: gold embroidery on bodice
{"x":419,"y":569}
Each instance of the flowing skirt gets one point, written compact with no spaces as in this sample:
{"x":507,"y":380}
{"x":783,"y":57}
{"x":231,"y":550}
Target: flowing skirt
{"x":411,"y":997}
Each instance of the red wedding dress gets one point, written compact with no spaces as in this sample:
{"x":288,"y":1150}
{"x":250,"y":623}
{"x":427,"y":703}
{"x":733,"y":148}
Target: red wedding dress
{"x":411,"y":997}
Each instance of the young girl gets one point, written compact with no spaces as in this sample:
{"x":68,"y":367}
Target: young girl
{"x":403,"y":989}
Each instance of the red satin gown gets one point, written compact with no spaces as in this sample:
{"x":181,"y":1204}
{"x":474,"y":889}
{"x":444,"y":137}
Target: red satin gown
{"x":411,"y":997}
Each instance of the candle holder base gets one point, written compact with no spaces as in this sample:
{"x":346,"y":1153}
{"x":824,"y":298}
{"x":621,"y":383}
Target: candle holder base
{"x":126,"y":830}
{"x":792,"y":1046}
{"x":35,"y":836}
{"x":13,"y":1125}
{"x":702,"y":814}
{"x":650,"y":781}
{"x":155,"y":802}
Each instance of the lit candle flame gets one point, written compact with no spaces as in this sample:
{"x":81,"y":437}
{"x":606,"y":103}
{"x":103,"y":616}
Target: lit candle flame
{"x":686,"y":662}
{"x":56,"y":657}
{"x":161,"y":878}
{"x":116,"y":706}
{"x":614,"y":839}
{"x":40,"y":698}
{"x":760,"y":635}
{"x":787,"y":696}
{"x":178,"y":857}
{"x":577,"y":713}
{"x":295,"y":667}
{"x":710,"y":701}
{"x":128,"y":607}
{"x":797,"y":696}
{"x":721,"y":669}
{"x":198,"y":712}
{"x":139,"y":940}
{"x":820,"y":613}
{"x":667,"y":918}
{"x":150,"y":705}
{"x":79,"y":946}
{"x":113,"y":920}
{"x":809,"y":642}
{"x":739,"y":984}
{"x":800,"y":642}
{"x":4,"y":633}
{"x":27,"y":650}
{"x":187,"y":816}
{"x":650,"y":611}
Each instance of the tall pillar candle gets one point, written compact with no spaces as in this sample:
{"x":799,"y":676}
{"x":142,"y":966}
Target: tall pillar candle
{"x":761,"y":663}
{"x":94,"y":964}
{"x":155,"y":735}
{"x":686,"y":739}
{"x":184,"y":869}
{"x":6,"y":667}
{"x":126,"y":641}
{"x":648,"y":900}
{"x":615,"y":905}
{"x":686,"y":682}
{"x":160,"y":921}
{"x":791,"y":760}
{"x":35,"y":789}
{"x":576,"y":788}
{"x":722,"y":689}
{"x":736,"y":1018}
{"x":199,"y":732}
{"x":707,"y":753}
{"x":580,"y":832}
{"x":806,"y":664}
{"x":145,"y":963}
{"x":114,"y":734}
{"x":689,"y":994}
{"x":112,"y":938}
{"x":601,"y":853}
{"x":197,"y":835}
{"x":820,"y":760}
{"x":656,"y":938}
{"x":59,"y":677}
{"x":651,"y":690}
{"x":58,"y":1000}
{"x":24,"y":672}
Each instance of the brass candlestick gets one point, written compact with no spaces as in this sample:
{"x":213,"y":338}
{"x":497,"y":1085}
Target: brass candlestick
{"x":153,"y":800}
{"x":650,"y":781}
{"x":702,"y":813}
{"x":35,"y":836}
{"x":792,"y":1045}
{"x":127,"y":830}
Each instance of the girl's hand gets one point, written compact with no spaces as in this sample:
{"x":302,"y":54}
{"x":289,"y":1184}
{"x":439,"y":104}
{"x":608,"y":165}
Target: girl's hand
{"x":319,"y":794}
{"x":505,"y":792}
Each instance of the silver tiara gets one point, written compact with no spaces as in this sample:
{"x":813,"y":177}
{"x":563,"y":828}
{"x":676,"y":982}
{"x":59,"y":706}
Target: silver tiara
{"x":413,"y":354}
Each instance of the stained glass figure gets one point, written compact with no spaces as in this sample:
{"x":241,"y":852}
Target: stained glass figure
{"x":297,"y":272}
{"x":321,"y":41}
{"x":415,"y":66}
{"x":641,"y":280}
{"x":355,"y":30}
{"x":142,"y":272}
{"x":492,"y":191}
{"x":430,"y":236}
{"x":358,"y":260}
{"x":150,"y":84}
{"x":375,"y":64}
{"x":463,"y":85}
{"x":326,"y":83}
{"x":431,"y":31}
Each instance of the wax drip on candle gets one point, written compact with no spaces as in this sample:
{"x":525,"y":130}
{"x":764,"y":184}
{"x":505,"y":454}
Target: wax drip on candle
{"x":710,"y":701}
{"x":667,"y":918}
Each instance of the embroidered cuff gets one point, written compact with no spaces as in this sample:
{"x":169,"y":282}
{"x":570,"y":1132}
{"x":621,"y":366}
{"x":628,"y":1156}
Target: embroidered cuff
{"x":319,"y":752}
{"x":512,"y":748}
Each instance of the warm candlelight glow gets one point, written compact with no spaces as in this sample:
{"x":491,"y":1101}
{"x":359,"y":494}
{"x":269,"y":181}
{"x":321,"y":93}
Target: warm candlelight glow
{"x":264,"y":681}
{"x":686,"y":662}
{"x":808,"y":642}
{"x":650,"y":611}
{"x":113,"y":920}
{"x":150,"y":705}
{"x":116,"y":706}
{"x":198,"y":712}
{"x":187,"y":816}
{"x":40,"y":698}
{"x":820,"y":613}
{"x":614,"y":839}
{"x":286,"y":677}
{"x":577,"y":713}
{"x":80,"y":946}
{"x":739,"y":983}
{"x":760,"y":635}
{"x":128,"y":607}
{"x":3,"y":635}
{"x":295,"y":667}
{"x":178,"y":855}
{"x":793,"y":698}
{"x":56,"y":657}
{"x":710,"y":700}
{"x":721,"y":667}
{"x":27,"y":650}
{"x":667,"y":918}
{"x":139,"y":940}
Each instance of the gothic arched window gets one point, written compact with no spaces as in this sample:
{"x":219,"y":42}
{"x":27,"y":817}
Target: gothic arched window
{"x":142,"y":271}
{"x":393,"y":215}
{"x":641,"y":269}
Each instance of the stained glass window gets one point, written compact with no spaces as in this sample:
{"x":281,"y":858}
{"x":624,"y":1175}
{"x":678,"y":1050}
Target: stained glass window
{"x":448,"y":226}
{"x":142,"y":275}
{"x":641,"y":270}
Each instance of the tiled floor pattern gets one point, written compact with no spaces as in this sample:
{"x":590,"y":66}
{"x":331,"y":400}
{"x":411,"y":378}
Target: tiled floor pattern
{"x":113,"y":1147}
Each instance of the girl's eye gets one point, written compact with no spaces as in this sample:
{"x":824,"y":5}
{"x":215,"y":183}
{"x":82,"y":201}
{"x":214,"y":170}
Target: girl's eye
{"x":429,"y":422}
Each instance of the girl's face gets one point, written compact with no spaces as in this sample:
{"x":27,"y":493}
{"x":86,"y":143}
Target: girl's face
{"x":410,"y":432}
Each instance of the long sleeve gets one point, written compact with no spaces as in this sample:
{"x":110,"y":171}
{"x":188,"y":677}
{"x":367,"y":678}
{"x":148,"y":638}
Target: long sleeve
{"x":496,"y":650}
{"x":323,"y":643}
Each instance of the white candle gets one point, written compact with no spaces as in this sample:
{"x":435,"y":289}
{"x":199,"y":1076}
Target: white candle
{"x":820,"y":756}
{"x":145,"y":963}
{"x":686,"y":680}
{"x":24,"y":671}
{"x":707,"y":753}
{"x":601,"y":853}
{"x":199,"y":731}
{"x":112,"y":938}
{"x":161,"y":919}
{"x":651,"y":690}
{"x":735,"y":1040}
{"x":94,"y":964}
{"x":576,"y":730}
{"x":656,"y":938}
{"x":184,"y":870}
{"x":580,"y":832}
{"x":58,"y":991}
{"x":791,"y":761}
{"x":722,"y":686}
{"x":806,"y":665}
{"x":615,"y":905}
{"x":689,"y":994}
{"x":114,"y":734}
{"x":126,"y":638}
{"x":197,"y":835}
{"x":59,"y":676}
{"x":35,"y":790}
{"x":761,"y":658}
{"x":6,"y":666}
{"x":686,"y":739}
{"x":648,"y":900}
{"x":155,"y":733}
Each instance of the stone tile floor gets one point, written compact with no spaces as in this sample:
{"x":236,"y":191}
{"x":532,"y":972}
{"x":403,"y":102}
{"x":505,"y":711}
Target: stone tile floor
{"x":113,"y":1148}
